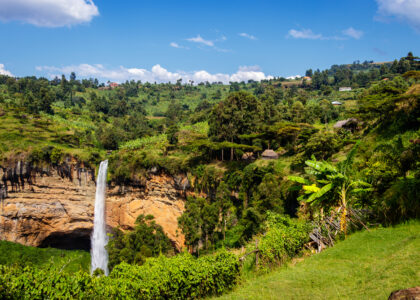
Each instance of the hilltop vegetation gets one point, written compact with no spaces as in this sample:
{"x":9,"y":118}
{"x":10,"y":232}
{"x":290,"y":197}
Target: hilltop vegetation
{"x":317,"y":176}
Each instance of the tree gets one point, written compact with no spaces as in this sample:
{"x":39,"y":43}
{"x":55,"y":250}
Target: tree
{"x":172,"y":134}
{"x":238,"y":114}
{"x":332,"y":186}
{"x":298,"y":112}
{"x":224,"y":204}
{"x":146,"y":240}
{"x":72,"y":77}
{"x":190,"y":222}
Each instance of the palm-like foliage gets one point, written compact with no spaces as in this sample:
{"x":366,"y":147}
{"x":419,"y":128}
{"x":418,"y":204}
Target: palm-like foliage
{"x":333,"y":186}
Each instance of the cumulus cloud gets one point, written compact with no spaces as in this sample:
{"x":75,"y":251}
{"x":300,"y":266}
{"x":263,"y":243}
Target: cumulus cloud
{"x":405,"y":10}
{"x":198,"y":39}
{"x":304,"y":34}
{"x":156,"y":74}
{"x":353,"y":33}
{"x":248,"y":36}
{"x":3,"y":71}
{"x":48,"y":13}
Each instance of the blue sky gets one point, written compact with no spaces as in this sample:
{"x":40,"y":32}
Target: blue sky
{"x":200,"y":40}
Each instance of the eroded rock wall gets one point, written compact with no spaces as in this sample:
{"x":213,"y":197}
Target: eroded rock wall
{"x":56,"y":209}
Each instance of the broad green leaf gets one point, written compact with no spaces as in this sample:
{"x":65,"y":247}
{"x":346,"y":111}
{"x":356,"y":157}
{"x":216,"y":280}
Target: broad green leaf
{"x":320,"y":193}
{"x":297,"y":179}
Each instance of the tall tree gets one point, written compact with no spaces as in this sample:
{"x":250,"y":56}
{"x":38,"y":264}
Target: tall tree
{"x":239,"y":113}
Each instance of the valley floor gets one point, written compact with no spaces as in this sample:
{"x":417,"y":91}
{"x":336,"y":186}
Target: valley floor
{"x":367,"y":265}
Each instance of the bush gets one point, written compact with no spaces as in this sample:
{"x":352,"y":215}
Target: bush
{"x":284,"y":238}
{"x":179,"y":277}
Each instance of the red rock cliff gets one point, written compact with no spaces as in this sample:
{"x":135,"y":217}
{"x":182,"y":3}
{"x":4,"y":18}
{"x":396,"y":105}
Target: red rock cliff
{"x":56,"y":207}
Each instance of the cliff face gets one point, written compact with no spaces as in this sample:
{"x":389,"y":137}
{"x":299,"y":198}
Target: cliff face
{"x":54,"y":207}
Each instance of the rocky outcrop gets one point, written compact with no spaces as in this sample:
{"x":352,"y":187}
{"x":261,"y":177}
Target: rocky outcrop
{"x":162,"y":197}
{"x":408,"y":294}
{"x":54,"y":206}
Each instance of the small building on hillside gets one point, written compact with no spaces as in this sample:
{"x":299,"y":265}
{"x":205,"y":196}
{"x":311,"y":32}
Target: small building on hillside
{"x":113,"y":85}
{"x":344,"y":89}
{"x":336,"y":103}
{"x":269,"y":154}
{"x":349,"y":124}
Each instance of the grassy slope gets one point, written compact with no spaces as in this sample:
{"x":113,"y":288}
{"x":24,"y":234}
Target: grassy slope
{"x":368,"y":265}
{"x":70,"y":260}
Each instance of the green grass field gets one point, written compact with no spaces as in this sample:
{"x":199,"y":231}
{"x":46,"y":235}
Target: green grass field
{"x":367,"y":265}
{"x":67,"y":260}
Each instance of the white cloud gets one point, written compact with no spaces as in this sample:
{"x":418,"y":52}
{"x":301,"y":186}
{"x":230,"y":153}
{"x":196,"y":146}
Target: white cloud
{"x":156,"y":74}
{"x":248,"y":36}
{"x":211,"y":44}
{"x":405,"y":10}
{"x":3,"y":71}
{"x":304,"y":34}
{"x":178,"y":46}
{"x":48,"y":13}
{"x":294,"y":77}
{"x":353,"y":33}
{"x":310,"y":35}
{"x":198,"y":39}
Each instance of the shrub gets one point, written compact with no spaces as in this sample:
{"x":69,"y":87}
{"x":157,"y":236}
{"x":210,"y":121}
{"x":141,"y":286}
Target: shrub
{"x":284,"y":238}
{"x":179,"y":277}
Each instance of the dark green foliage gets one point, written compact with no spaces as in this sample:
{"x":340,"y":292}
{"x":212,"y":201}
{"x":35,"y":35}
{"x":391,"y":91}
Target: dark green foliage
{"x":394,"y":173}
{"x":238,"y":114}
{"x":321,"y":145}
{"x":146,"y":240}
{"x":401,"y":201}
{"x":171,"y":133}
{"x":198,"y":222}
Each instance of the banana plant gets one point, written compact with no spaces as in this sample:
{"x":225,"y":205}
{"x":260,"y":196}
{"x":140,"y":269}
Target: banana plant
{"x":333,"y":185}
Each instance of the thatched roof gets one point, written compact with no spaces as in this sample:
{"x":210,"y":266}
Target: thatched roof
{"x":346,"y":123}
{"x":270,"y":154}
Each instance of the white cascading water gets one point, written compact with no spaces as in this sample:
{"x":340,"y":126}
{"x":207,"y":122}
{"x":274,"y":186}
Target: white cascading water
{"x":99,"y":239}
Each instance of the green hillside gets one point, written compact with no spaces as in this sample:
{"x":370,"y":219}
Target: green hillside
{"x":367,"y":265}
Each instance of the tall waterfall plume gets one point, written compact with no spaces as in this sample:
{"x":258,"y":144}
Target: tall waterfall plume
{"x":99,"y":239}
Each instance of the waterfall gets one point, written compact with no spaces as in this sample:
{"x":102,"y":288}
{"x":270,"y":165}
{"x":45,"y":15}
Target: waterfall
{"x":99,"y":239}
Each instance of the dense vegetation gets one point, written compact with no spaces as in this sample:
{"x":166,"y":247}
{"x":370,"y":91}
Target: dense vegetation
{"x":364,"y":172}
{"x":146,"y":240}
{"x":180,"y":277}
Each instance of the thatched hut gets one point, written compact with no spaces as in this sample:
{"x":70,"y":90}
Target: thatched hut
{"x":349,"y":124}
{"x":269,"y":154}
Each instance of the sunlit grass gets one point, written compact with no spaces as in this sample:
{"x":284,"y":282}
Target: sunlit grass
{"x":368,"y":265}
{"x":68,"y":260}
